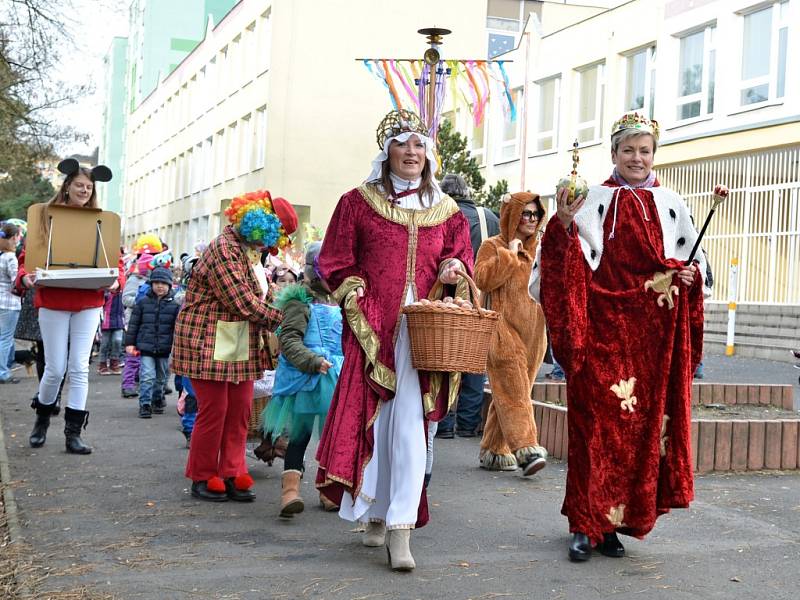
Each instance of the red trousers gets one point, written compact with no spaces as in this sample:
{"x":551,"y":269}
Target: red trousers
{"x":220,"y":431}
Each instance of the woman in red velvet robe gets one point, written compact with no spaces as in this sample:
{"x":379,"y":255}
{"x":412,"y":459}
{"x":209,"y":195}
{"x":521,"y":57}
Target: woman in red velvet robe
{"x":625,"y":316}
{"x":388,"y":242}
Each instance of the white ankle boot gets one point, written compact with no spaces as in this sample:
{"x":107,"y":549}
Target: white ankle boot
{"x":399,"y":550}
{"x":375,"y":534}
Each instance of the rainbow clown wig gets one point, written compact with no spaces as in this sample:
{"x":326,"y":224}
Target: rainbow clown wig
{"x":147,"y":244}
{"x":261,"y":221}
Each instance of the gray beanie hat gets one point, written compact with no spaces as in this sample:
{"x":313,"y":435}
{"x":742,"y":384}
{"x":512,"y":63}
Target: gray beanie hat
{"x":312,"y":252}
{"x":161,"y":274}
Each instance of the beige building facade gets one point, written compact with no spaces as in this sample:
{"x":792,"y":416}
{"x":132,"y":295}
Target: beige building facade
{"x":716,"y":74}
{"x":274,"y":98}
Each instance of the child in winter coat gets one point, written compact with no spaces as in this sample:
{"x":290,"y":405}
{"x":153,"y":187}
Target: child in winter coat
{"x":308,"y":369}
{"x":113,"y":332}
{"x":130,"y":373}
{"x":150,"y":334}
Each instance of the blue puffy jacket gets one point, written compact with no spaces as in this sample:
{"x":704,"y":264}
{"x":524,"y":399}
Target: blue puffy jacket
{"x":152,"y":324}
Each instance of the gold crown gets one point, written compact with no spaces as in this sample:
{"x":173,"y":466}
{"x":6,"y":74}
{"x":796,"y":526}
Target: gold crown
{"x":397,"y":122}
{"x":634,"y":120}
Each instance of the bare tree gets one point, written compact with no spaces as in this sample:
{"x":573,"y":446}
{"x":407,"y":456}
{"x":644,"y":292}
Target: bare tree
{"x":35,"y":38}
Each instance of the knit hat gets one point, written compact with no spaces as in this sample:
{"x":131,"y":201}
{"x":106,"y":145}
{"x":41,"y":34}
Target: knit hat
{"x":143,"y":264}
{"x":161,"y":274}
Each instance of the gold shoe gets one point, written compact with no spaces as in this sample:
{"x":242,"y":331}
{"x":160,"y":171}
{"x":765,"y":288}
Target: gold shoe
{"x":375,"y":535}
{"x":399,"y":551}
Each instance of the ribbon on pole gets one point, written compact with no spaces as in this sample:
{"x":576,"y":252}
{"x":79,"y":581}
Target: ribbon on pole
{"x":376,"y":73}
{"x":512,"y":110}
{"x":472,"y":82}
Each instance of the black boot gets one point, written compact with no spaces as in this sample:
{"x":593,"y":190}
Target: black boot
{"x":43,"y":412}
{"x":73,"y":421}
{"x":580,"y":548}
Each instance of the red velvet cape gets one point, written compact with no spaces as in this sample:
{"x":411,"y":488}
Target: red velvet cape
{"x":389,"y":249}
{"x":624,"y":468}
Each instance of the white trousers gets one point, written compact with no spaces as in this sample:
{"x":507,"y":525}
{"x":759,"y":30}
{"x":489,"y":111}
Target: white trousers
{"x":67,"y":338}
{"x":392,"y":485}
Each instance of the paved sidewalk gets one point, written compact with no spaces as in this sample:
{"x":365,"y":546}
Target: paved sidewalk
{"x":121,"y":522}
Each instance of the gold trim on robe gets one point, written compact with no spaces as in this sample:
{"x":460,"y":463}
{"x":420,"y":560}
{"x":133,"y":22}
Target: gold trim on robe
{"x":345,"y":294}
{"x":428,"y":217}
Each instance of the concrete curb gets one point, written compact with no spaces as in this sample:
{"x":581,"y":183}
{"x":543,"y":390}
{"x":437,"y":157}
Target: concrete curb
{"x":10,"y":504}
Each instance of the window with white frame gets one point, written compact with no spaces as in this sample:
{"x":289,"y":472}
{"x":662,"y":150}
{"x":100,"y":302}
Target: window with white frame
{"x":547,"y":118}
{"x":260,"y":143}
{"x":509,"y":141}
{"x":208,"y":162}
{"x":696,"y":73}
{"x":212,"y":91}
{"x":640,"y":81}
{"x":223,"y":72}
{"x":246,"y":141}
{"x":197,"y":170}
{"x":590,"y":103}
{"x":477,"y":143}
{"x":764,"y":42}
{"x":219,"y":156}
{"x":264,"y":33}
{"x":232,"y":151}
{"x":250,"y":48}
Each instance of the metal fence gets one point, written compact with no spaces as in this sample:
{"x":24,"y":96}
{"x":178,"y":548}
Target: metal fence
{"x":759,"y":223}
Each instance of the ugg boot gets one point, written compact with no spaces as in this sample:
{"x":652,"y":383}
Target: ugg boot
{"x":43,"y":412}
{"x":73,"y":421}
{"x":399,"y":550}
{"x":115,"y":368}
{"x":326,"y":504}
{"x":291,"y":502}
{"x":375,"y":535}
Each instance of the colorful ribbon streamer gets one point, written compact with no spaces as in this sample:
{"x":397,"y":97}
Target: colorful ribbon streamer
{"x":472,"y":82}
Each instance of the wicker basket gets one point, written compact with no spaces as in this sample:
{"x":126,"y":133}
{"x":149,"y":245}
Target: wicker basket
{"x":254,"y":425}
{"x":451,"y":339}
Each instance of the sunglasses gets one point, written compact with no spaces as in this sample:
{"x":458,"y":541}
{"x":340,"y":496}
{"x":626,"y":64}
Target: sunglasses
{"x":528,"y":215}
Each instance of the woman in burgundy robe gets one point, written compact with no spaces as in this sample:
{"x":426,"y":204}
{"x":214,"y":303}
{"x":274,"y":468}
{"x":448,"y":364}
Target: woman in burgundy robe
{"x":388,"y":242}
{"x":625,"y":315}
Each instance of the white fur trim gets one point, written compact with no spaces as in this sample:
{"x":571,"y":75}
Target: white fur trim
{"x":590,"y":230}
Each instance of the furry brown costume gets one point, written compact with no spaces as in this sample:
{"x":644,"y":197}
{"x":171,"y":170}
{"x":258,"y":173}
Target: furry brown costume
{"x":519,"y":343}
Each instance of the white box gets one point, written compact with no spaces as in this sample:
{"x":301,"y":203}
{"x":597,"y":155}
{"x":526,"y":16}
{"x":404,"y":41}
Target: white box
{"x":87,"y":279}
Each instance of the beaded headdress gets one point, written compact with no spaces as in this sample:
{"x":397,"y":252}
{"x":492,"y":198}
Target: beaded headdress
{"x":397,"y":122}
{"x":634,"y":120}
{"x":253,"y":217}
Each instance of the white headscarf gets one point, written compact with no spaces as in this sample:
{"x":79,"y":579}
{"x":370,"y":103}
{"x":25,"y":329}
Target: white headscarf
{"x":377,"y":163}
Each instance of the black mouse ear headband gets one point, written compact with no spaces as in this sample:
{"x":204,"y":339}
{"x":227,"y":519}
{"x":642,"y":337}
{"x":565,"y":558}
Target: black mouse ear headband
{"x":69,"y":166}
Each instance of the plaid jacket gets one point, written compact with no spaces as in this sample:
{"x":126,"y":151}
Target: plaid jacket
{"x":221,"y":332}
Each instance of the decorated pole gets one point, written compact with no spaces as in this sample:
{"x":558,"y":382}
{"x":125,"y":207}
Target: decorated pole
{"x":420,"y":85}
{"x":720,"y":195}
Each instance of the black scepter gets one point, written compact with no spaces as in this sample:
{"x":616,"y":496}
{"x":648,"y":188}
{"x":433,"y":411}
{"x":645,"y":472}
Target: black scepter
{"x":720,"y":195}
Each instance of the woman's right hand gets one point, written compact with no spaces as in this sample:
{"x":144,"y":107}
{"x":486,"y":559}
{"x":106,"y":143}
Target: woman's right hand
{"x":515,"y":245}
{"x":324,"y":366}
{"x":29,"y":280}
{"x":566,"y":212}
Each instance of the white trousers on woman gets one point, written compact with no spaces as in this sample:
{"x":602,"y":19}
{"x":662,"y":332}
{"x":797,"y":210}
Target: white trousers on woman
{"x":392,"y":485}
{"x":67,"y":338}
